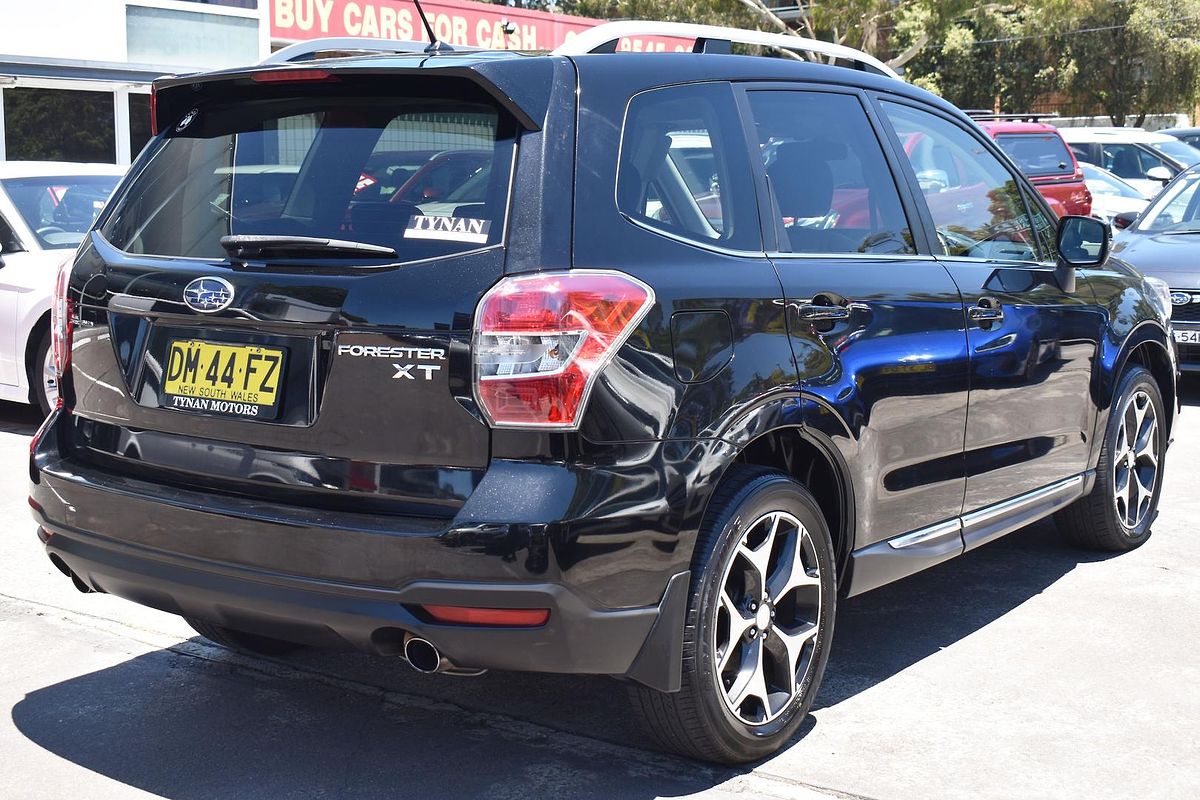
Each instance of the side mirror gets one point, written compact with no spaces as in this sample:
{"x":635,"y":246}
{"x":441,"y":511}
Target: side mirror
{"x":1159,"y":173}
{"x":1124,"y":219}
{"x":1082,"y":242}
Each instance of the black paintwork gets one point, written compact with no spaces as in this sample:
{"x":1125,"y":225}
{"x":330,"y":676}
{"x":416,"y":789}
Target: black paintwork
{"x":366,"y":486}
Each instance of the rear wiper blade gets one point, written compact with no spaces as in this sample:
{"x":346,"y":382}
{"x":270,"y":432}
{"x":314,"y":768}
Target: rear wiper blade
{"x":250,"y":245}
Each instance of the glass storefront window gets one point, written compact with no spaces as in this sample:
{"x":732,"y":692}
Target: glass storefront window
{"x":59,"y":125}
{"x":139,"y":123}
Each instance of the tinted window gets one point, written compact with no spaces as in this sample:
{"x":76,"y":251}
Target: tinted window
{"x":60,"y":209}
{"x":1130,"y":161}
{"x":8,"y":239}
{"x":828,"y":176}
{"x":59,"y":125}
{"x":1183,"y":153}
{"x":975,"y":202}
{"x":344,"y":166}
{"x":685,"y":168}
{"x":1037,"y":154}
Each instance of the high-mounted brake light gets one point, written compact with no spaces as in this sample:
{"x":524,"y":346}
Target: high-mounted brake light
{"x":292,"y":76}
{"x":61,"y":325}
{"x":541,"y":340}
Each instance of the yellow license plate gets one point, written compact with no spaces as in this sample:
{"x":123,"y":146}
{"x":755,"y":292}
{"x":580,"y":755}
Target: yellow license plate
{"x":231,"y":379}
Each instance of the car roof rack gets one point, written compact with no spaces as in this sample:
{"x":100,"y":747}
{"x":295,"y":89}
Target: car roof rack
{"x":306,"y":51}
{"x":713,"y":39}
{"x":1021,"y":116}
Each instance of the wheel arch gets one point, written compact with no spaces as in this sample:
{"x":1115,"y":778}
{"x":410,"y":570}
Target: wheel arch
{"x":32,"y":338}
{"x":1147,"y":345}
{"x":788,"y":433}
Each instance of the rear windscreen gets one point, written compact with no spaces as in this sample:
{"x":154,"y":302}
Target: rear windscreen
{"x":424,"y":176}
{"x":1037,"y":153}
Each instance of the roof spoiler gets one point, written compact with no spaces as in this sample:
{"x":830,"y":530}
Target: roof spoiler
{"x":516,"y":87}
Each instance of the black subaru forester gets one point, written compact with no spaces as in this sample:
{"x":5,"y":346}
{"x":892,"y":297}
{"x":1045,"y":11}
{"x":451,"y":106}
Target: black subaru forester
{"x":584,"y":362}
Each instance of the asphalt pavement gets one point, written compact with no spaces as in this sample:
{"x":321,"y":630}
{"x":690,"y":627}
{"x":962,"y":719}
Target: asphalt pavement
{"x":1024,"y":669}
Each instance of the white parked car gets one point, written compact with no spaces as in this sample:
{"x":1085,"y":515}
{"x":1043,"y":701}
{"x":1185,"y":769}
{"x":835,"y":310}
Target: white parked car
{"x":46,"y":208}
{"x":1143,"y":159}
{"x":1110,"y":194}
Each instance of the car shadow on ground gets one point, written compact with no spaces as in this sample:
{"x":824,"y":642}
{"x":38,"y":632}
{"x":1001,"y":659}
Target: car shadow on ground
{"x":19,"y":418}
{"x":197,"y":722}
{"x":194,"y":722}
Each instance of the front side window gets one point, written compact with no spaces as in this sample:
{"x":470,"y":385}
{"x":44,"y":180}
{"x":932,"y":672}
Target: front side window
{"x":975,"y":201}
{"x":418,"y":175}
{"x":60,"y":209}
{"x":828,"y":176}
{"x":1131,"y":162}
{"x":8,"y":239}
{"x":685,"y":169}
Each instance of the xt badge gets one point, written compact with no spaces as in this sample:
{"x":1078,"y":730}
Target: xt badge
{"x":405,"y":370}
{"x":405,"y":360}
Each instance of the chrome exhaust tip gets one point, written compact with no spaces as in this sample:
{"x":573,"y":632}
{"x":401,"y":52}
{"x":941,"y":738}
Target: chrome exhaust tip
{"x":421,"y":655}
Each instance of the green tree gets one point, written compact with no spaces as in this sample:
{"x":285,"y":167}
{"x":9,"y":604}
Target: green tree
{"x":998,"y":55}
{"x":1136,"y":57}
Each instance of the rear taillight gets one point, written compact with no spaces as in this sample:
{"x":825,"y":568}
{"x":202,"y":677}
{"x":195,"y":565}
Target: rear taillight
{"x":153,"y":111}
{"x":541,"y":340}
{"x":61,"y":325}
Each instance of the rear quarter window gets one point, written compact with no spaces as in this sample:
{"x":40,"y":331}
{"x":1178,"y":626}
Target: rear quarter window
{"x":424,"y":175}
{"x":685,"y":169}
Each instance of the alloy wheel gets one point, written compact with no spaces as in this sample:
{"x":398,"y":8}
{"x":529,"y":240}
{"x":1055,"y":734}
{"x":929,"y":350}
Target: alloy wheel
{"x":1135,"y":460}
{"x":767,"y":618}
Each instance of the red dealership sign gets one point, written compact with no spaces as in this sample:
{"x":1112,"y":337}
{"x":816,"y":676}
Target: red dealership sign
{"x":459,"y":22}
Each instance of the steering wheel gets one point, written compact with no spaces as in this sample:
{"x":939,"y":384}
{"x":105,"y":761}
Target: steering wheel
{"x":49,"y":229}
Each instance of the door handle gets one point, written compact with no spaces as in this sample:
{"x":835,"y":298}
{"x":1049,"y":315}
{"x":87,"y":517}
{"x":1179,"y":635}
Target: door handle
{"x":986,"y":311}
{"x":812,"y":312}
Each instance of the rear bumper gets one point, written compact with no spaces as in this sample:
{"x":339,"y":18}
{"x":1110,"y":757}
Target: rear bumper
{"x":577,"y":639}
{"x":342,"y":580}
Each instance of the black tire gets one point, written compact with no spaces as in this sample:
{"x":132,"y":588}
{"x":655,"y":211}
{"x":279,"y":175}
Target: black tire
{"x":1096,"y":522}
{"x":697,"y":721}
{"x":37,"y":389}
{"x":240,"y":640}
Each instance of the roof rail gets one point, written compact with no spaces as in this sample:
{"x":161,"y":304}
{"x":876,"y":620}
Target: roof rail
{"x":305,"y":51}
{"x":712,"y":39}
{"x":1026,"y":116}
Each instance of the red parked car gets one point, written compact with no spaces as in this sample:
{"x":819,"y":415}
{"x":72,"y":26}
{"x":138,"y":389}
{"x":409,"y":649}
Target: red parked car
{"x":1039,"y":150}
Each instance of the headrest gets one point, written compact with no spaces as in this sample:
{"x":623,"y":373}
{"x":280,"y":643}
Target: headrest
{"x":801,"y":179}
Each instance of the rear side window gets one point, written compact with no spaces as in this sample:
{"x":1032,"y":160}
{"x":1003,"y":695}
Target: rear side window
{"x":685,"y":169}
{"x":425,"y":176}
{"x":1037,"y":154}
{"x":828,"y":176}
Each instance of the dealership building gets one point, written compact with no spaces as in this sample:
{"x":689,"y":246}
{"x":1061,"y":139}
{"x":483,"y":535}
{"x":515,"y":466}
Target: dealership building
{"x":75,"y":75}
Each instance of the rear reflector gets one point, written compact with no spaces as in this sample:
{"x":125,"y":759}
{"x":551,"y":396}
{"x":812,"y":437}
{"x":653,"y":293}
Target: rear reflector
{"x":291,"y":76}
{"x":496,"y":617}
{"x":541,"y":340}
